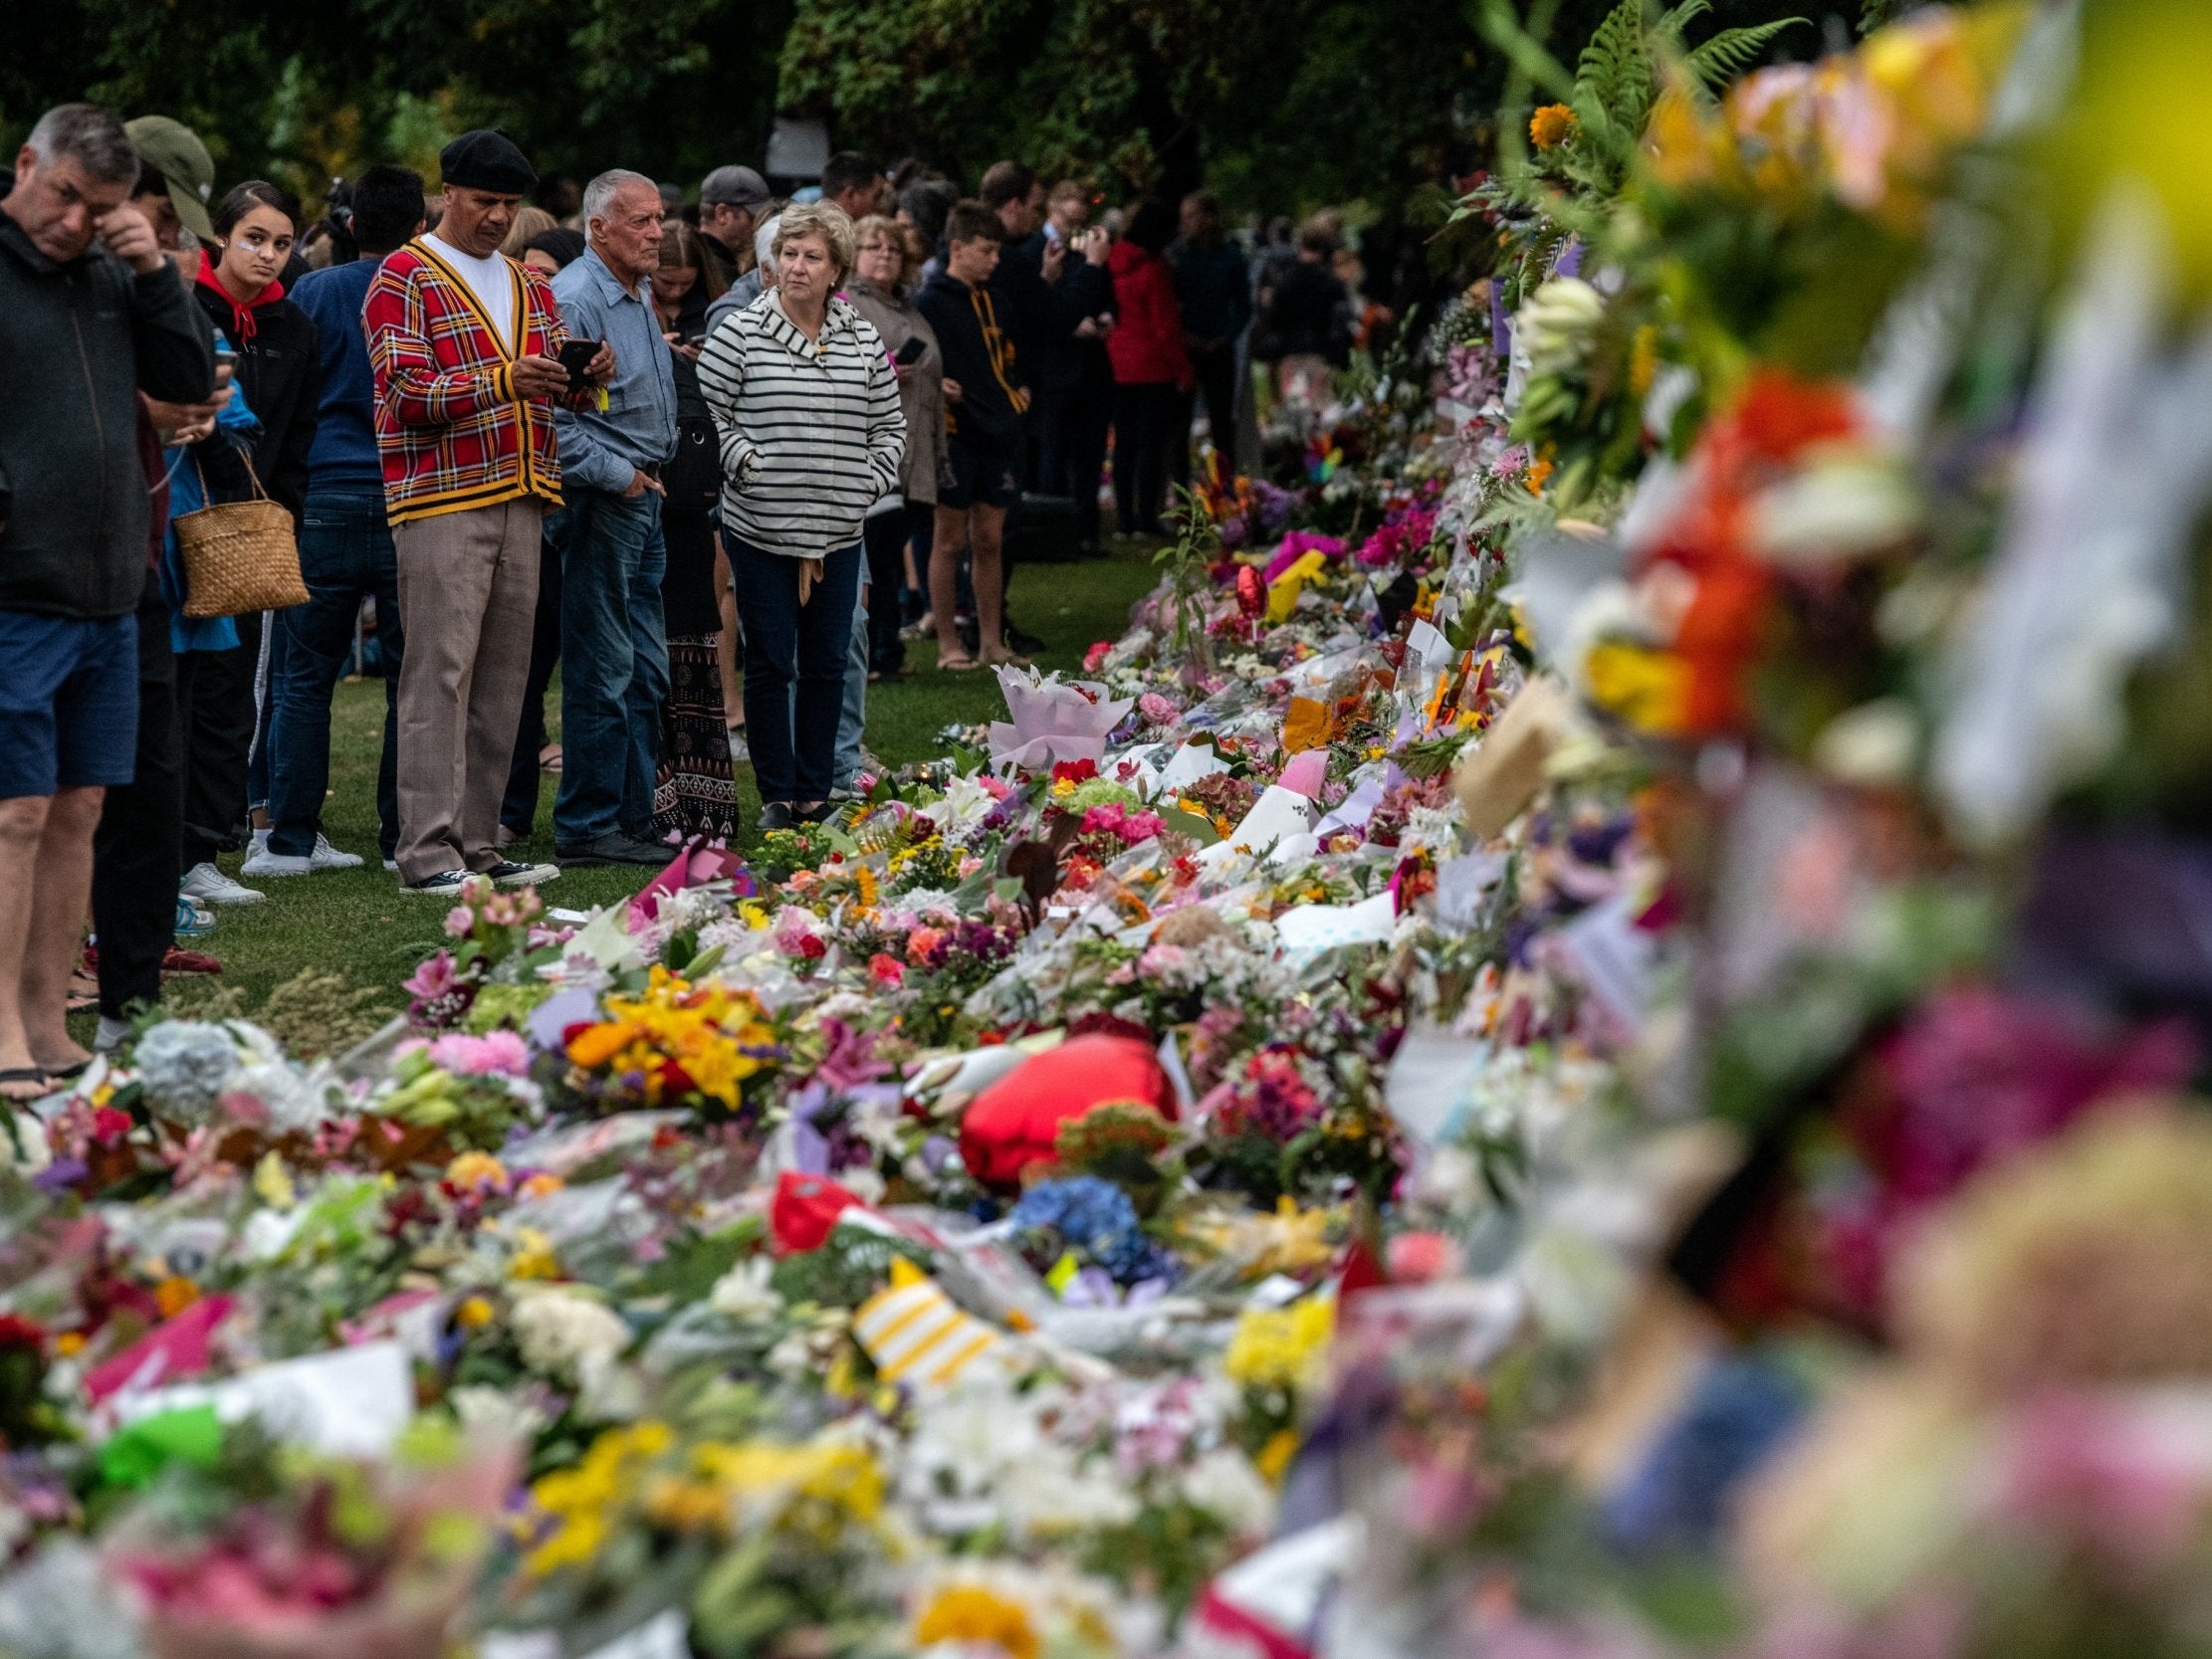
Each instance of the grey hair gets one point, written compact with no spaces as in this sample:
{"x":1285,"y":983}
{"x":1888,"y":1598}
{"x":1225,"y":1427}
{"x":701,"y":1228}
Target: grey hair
{"x":765,"y":243}
{"x":89,"y":136}
{"x":599,"y":194}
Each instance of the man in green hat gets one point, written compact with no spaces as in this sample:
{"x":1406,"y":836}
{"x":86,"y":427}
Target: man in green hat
{"x":176,"y":176}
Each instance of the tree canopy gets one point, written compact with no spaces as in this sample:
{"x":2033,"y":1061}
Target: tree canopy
{"x":1276,"y":102}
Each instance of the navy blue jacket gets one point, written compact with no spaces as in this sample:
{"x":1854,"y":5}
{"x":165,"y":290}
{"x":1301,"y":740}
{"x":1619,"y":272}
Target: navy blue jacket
{"x":343,"y":460}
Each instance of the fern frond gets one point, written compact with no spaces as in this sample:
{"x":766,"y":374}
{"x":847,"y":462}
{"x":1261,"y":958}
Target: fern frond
{"x":1729,"y":52}
{"x":1671,"y":24}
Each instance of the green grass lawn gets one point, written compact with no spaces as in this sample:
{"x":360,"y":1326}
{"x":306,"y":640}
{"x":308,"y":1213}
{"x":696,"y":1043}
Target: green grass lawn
{"x":359,"y":925}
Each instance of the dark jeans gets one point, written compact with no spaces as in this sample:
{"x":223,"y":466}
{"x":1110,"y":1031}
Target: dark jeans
{"x":346,"y":556}
{"x":789,"y":647}
{"x":614,"y":663}
{"x":884,"y":537}
{"x":215,"y":713}
{"x":922,"y":528}
{"x":519,"y":811}
{"x":134,"y":849}
{"x":1144,"y":417}
{"x":1072,"y":422}
{"x":1217,"y":384}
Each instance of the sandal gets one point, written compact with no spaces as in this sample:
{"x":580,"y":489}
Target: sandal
{"x":1002,"y":658}
{"x":83,"y":992}
{"x":959,"y":661}
{"x":12,"y":1077}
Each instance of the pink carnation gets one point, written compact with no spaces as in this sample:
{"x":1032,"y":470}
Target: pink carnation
{"x":458,"y":922}
{"x":496,"y":1053}
{"x":1096,"y":658}
{"x":795,"y":932}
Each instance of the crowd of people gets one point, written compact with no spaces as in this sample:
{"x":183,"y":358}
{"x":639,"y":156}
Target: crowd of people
{"x":718,"y":460}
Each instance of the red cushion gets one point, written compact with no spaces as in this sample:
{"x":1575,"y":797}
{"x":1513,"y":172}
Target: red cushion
{"x":1015,"y":1122}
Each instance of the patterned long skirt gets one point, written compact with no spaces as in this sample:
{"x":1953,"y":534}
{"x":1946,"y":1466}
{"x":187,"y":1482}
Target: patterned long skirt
{"x":694,"y":793}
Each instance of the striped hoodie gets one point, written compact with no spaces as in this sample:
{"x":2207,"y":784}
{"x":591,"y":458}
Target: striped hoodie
{"x":811,"y":432}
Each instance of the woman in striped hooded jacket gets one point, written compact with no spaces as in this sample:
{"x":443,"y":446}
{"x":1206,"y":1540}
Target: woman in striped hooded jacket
{"x":807,"y":407}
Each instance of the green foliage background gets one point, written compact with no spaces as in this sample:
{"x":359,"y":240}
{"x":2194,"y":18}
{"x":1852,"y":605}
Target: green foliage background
{"x":1280,"y":104}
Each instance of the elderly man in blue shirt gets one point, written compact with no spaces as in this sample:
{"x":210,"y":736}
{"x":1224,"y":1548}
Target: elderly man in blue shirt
{"x":613,"y":645}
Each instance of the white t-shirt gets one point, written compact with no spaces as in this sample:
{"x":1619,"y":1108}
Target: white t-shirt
{"x":488,"y":279}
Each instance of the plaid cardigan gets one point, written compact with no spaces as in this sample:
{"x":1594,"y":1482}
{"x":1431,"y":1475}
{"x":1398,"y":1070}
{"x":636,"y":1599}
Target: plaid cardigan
{"x":451,"y":431}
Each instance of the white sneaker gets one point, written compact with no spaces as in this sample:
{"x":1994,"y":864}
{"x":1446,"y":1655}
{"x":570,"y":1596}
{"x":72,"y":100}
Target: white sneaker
{"x":264,"y":862}
{"x":328,"y":857}
{"x":204,"y":883}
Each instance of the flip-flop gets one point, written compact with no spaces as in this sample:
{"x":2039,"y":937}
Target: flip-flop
{"x":962,"y":663}
{"x":66,"y":1074}
{"x":24,"y":1074}
{"x":84,"y":993}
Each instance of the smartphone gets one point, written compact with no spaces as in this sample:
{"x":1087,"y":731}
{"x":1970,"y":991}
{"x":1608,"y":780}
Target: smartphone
{"x":911,"y":352}
{"x":575,"y":358}
{"x":225,"y":357}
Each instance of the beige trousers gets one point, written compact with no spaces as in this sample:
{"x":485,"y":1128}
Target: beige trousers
{"x":467,"y":591}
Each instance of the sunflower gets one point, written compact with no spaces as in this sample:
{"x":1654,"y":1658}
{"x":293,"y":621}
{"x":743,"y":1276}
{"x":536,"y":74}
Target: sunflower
{"x":1552,"y":127}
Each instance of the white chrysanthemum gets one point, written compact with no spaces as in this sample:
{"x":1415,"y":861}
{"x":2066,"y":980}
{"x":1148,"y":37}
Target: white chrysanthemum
{"x":563,"y":1333}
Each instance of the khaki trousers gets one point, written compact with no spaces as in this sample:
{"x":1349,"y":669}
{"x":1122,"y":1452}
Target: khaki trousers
{"x":468,"y":596}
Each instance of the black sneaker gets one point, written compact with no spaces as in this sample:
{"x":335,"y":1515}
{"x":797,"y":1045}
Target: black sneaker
{"x":776,"y":815}
{"x":510,"y":874}
{"x":446,"y":884}
{"x":615,"y":848}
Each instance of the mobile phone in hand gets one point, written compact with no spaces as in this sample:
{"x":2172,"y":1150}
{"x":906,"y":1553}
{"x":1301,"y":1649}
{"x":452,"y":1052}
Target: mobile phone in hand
{"x":575,"y":358}
{"x":910,"y":354}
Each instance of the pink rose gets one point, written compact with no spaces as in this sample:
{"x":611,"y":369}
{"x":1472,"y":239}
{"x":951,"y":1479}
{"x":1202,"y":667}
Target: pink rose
{"x":458,"y":922}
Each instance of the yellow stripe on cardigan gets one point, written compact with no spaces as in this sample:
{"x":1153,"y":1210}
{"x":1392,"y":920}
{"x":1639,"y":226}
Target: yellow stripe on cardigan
{"x":914,"y":1330}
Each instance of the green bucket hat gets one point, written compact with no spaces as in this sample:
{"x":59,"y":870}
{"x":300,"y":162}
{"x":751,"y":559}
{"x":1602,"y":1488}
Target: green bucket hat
{"x":174,"y":151}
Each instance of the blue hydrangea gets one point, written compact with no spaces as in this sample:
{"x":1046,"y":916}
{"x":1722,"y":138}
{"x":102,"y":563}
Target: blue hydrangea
{"x":1095,"y":1219}
{"x":184,"y":1065}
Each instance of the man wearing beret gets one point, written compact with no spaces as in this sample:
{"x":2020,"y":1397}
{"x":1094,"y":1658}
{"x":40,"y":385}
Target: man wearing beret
{"x":465,"y":347}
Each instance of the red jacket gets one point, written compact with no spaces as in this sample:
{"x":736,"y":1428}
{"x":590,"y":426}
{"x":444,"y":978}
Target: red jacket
{"x":1147,"y":342}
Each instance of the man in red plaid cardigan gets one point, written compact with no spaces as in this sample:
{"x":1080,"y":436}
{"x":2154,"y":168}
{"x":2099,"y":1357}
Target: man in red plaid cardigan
{"x":465,"y":344}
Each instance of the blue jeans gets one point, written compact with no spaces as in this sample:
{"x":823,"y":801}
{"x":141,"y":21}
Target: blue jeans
{"x":346,"y":555}
{"x":852,"y":716}
{"x":614,"y":662}
{"x":791,"y":649}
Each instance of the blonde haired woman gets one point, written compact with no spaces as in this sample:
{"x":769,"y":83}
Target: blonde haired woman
{"x":806,"y":408}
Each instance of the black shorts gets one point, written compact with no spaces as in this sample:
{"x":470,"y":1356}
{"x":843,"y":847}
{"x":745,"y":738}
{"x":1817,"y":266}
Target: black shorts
{"x":974,"y":477}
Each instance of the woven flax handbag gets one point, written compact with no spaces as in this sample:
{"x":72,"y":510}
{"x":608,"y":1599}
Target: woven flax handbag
{"x":239,"y":556}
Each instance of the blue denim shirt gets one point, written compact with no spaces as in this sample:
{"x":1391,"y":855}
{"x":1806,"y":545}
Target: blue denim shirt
{"x":600,"y":448}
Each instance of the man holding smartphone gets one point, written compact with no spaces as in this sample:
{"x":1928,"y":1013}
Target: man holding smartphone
{"x":614,"y":644}
{"x":464,"y":346}
{"x":91,"y":316}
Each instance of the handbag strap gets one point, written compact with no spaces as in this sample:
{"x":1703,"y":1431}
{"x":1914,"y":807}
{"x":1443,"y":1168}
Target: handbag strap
{"x":246,"y":456}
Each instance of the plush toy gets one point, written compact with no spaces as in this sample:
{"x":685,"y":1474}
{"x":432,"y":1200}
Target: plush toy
{"x":1015,"y":1122}
{"x":804,"y":1211}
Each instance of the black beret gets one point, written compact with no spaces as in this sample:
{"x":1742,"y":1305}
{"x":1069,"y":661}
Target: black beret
{"x":486,"y":160}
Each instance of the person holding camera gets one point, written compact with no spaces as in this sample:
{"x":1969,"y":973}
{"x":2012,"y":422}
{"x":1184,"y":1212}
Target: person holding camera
{"x":92,"y":314}
{"x":470,"y":360}
{"x":613,"y":554}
